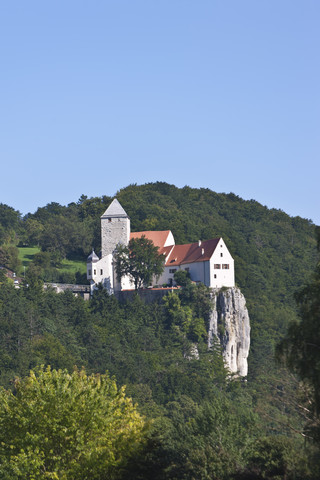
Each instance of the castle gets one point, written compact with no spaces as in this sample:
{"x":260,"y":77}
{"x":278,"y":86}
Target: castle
{"x":209,"y":261}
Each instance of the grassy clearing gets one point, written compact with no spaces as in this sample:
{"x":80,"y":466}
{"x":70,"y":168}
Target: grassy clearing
{"x":26,"y":255}
{"x":73,"y":266}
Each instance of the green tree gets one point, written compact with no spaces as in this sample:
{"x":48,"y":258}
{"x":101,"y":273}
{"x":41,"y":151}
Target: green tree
{"x":65,"y":426}
{"x":276,"y":458}
{"x":140,"y":260}
{"x":9,"y":223}
{"x":32,"y":231}
{"x":301,"y":346}
{"x":9,"y":257}
{"x":182,"y":278}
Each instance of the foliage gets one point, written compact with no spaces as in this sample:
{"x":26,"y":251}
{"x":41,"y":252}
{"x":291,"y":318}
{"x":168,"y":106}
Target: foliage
{"x":276,"y":457}
{"x":182,"y":278}
{"x":301,"y":346}
{"x":184,"y":317}
{"x":47,"y":259}
{"x":140,"y":260}
{"x":9,"y":257}
{"x":51,"y":268}
{"x":9,"y":223}
{"x":195,"y":441}
{"x":204,"y":422}
{"x":151,"y":348}
{"x":61,"y":426}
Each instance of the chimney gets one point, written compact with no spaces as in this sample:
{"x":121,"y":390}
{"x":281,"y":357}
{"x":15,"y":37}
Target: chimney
{"x":202,"y":251}
{"x":199,"y":243}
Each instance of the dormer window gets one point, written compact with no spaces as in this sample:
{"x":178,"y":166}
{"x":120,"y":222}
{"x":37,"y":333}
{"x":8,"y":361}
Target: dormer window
{"x":221,"y":254}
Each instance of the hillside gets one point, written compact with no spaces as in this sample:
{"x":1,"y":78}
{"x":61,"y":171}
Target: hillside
{"x":143,"y":346}
{"x":274,"y":253}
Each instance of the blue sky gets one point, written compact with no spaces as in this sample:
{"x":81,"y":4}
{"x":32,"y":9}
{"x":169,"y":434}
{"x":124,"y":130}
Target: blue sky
{"x":225,"y":95}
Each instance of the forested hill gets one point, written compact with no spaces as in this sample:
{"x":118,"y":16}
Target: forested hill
{"x":145,"y":345}
{"x":274,"y":253}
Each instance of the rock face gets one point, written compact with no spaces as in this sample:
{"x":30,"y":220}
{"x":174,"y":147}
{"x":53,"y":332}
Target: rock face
{"x":230,"y":325}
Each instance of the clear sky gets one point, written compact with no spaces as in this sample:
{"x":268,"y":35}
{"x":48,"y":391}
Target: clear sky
{"x":222,"y":94}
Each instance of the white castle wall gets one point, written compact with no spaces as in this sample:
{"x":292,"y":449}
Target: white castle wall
{"x":101,"y":272}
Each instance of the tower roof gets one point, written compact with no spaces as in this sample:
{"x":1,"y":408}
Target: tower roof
{"x":93,"y":257}
{"x":115,"y":210}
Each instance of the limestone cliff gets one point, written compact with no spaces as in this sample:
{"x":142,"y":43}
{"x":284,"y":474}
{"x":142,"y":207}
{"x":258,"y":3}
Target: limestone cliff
{"x":230,"y":324}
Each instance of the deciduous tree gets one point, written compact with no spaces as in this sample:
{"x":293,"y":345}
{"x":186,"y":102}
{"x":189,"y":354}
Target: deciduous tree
{"x":301,"y":346}
{"x":140,"y":260}
{"x":61,"y":426}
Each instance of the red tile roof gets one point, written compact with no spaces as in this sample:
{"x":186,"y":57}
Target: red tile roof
{"x":165,"y":250}
{"x":192,"y":252}
{"x":158,"y":238}
{"x":180,"y":254}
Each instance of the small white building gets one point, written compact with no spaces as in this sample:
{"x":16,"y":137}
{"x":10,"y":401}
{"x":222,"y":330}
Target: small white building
{"x":209,"y":261}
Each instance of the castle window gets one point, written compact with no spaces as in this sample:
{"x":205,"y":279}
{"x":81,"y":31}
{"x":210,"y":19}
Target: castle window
{"x":101,"y":272}
{"x":217,"y":266}
{"x":187,"y":269}
{"x":215,"y":275}
{"x":225,"y":266}
{"x":172,"y":270}
{"x":89,"y":272}
{"x":94,"y":272}
{"x":109,"y":220}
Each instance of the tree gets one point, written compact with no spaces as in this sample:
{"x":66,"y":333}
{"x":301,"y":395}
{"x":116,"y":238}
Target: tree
{"x":276,"y":457}
{"x":9,"y":257}
{"x":140,"y":260}
{"x":301,"y":346}
{"x":182,"y":278}
{"x":10,"y":220}
{"x":58,"y":425}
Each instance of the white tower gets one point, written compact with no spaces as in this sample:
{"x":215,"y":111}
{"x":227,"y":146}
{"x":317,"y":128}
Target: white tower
{"x":115,"y":228}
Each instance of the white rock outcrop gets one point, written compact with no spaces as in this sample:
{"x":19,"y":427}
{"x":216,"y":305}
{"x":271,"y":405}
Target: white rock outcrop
{"x":230,"y":324}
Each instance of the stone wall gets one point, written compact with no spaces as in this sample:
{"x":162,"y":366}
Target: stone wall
{"x":114,"y":231}
{"x":78,"y":290}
